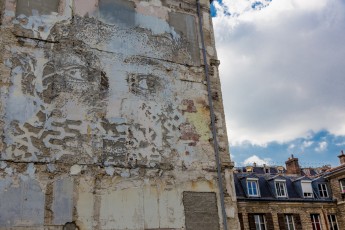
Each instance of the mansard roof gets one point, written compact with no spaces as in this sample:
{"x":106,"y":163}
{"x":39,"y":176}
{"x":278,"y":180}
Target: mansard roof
{"x":267,"y":190}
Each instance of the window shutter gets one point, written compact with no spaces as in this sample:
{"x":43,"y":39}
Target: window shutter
{"x":240,"y":218}
{"x":297,"y":219}
{"x":281,"y":221}
{"x":251,"y":221}
{"x":306,"y":187}
{"x":269,"y":219}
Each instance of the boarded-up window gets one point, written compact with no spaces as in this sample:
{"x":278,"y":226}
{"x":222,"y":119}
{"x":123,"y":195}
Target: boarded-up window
{"x":36,"y":7}
{"x":201,"y":211}
{"x":118,"y":12}
{"x":184,"y":25}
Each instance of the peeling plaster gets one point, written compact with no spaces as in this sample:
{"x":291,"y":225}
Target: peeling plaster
{"x":104,"y":115}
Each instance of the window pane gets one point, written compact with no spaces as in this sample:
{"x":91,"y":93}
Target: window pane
{"x":323,"y":190}
{"x":289,"y":222}
{"x":315,"y":219}
{"x":342,"y":186}
{"x":280,"y":188}
{"x":260,"y":222}
{"x":252,"y":188}
{"x":333,"y":222}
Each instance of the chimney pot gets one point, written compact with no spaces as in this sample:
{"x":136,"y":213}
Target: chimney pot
{"x":342,"y":157}
{"x":292,"y":166}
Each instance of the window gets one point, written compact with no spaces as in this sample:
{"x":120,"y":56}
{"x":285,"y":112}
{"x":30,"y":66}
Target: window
{"x":260,"y":222}
{"x":333,"y":222}
{"x":280,"y":169}
{"x":306,"y":172}
{"x":323,"y":190}
{"x":307,"y":189}
{"x":342,"y":185}
{"x":281,"y":188}
{"x":315,"y":221}
{"x":253,"y":189}
{"x":289,"y":222}
{"x":249,"y":169}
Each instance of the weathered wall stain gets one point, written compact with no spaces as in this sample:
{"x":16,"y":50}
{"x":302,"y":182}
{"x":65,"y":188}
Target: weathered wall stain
{"x":104,"y":117}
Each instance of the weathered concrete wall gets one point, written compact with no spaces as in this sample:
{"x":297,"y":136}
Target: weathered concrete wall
{"x":105,"y":120}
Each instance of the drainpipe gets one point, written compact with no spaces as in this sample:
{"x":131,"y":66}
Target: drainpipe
{"x":213,"y":120}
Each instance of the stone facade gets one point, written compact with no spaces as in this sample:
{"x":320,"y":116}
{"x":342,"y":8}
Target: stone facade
{"x":281,"y":194}
{"x":105,"y":118}
{"x":335,"y":177}
{"x":300,"y":210}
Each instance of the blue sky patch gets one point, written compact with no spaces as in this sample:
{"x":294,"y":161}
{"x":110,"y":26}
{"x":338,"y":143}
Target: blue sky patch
{"x":318,"y":149}
{"x":214,"y":10}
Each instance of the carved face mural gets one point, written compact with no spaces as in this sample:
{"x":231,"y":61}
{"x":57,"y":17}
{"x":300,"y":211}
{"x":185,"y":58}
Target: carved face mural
{"x":60,"y":107}
{"x":75,"y":72}
{"x":91,"y":93}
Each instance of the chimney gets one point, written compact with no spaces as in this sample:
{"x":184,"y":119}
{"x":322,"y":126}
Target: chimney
{"x":254,"y":164}
{"x":292,"y":166}
{"x":342,"y":157}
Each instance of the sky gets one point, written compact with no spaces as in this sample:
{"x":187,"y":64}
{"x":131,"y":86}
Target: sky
{"x":283,"y":79}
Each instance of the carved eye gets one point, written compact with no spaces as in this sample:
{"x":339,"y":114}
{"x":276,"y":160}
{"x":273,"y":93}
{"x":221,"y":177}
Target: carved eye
{"x":76,"y":74}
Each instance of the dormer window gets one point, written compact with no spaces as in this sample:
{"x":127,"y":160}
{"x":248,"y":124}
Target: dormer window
{"x":342,"y":185}
{"x":280,"y":169}
{"x":280,"y":188}
{"x":249,"y":169}
{"x":307,"y":189}
{"x":252,"y":186}
{"x":306,"y":172}
{"x":323,"y":190}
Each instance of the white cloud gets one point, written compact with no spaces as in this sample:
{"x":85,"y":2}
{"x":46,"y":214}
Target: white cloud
{"x":340,"y":144}
{"x":255,"y":159}
{"x":291,"y":146}
{"x":307,"y":144}
{"x":321,"y":147}
{"x":282,"y":69}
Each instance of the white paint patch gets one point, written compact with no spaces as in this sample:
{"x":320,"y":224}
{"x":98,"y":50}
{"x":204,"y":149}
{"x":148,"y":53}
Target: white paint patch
{"x":75,"y":170}
{"x":31,"y":170}
{"x":41,"y":25}
{"x":110,"y":170}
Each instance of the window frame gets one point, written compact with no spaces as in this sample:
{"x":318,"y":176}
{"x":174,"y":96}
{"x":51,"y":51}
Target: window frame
{"x":287,"y":223}
{"x":342,"y":186}
{"x":262,"y":222}
{"x":284,"y":189}
{"x":333,"y":223}
{"x":315,"y":221}
{"x":256,"y":182}
{"x":305,"y":191}
{"x":323,"y":190}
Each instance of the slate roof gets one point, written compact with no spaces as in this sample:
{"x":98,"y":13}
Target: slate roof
{"x":267,"y":189}
{"x":261,"y":170}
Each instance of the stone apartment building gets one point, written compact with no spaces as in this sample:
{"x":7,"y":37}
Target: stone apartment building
{"x":111,"y":117}
{"x":291,"y":198}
